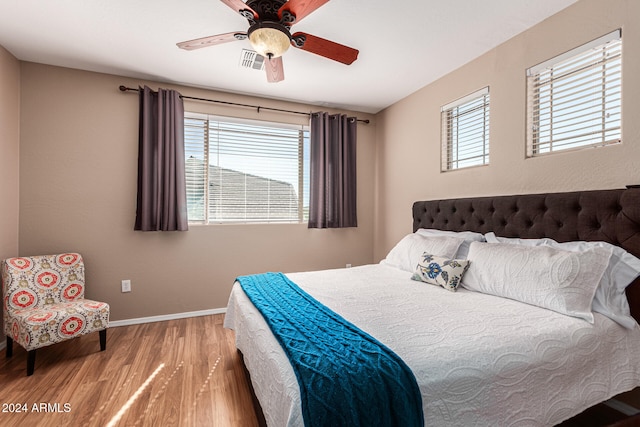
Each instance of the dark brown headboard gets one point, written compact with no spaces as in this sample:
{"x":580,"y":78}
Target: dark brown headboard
{"x":611,"y":216}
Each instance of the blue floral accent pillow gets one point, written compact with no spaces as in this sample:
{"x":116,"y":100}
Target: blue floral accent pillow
{"x":440,"y":271}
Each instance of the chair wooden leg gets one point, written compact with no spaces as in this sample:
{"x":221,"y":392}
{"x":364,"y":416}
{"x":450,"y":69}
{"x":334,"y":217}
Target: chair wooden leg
{"x":103,"y":339}
{"x":9,"y":348}
{"x":31,"y":362}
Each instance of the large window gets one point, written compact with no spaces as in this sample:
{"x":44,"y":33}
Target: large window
{"x":245,"y":171}
{"x":574,"y":100}
{"x":465,"y":131}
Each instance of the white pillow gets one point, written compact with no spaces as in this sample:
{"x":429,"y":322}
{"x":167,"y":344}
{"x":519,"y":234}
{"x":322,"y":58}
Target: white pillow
{"x":408,"y":252}
{"x":610,"y":299}
{"x":468,"y":236}
{"x":547,"y":277}
{"x":440,"y":271}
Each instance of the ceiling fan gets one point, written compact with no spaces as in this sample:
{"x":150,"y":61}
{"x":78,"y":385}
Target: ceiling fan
{"x":269,"y":33}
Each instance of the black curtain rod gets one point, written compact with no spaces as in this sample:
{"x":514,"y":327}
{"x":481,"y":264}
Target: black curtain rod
{"x":257,"y":107}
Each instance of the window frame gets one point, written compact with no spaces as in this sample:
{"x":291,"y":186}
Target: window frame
{"x":454,"y":112}
{"x":541,"y":89}
{"x":302,"y":190}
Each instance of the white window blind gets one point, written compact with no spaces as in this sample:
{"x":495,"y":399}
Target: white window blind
{"x":465,"y":131}
{"x":574,"y":100}
{"x":245,"y":171}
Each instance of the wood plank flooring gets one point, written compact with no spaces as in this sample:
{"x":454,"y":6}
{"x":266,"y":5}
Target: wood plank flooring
{"x":176,"y":373}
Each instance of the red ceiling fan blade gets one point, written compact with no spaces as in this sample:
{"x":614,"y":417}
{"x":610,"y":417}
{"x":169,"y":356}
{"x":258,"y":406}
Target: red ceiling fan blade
{"x":323,"y":47}
{"x":212,"y":40}
{"x":274,"y":69}
{"x":239,"y":6}
{"x":300,"y":8}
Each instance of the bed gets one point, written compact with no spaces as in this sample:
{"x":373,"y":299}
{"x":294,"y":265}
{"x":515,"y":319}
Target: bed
{"x":479,"y":358}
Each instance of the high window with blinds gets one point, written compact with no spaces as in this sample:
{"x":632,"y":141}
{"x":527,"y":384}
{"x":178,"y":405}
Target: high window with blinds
{"x":465,"y":131}
{"x":245,"y":170}
{"x":574,"y":100}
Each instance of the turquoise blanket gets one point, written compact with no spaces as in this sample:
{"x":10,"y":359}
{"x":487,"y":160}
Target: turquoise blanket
{"x":346,"y":377}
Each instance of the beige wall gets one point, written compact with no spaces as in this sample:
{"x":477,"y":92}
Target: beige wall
{"x":408,"y":133}
{"x":9,"y":155}
{"x":78,"y":171}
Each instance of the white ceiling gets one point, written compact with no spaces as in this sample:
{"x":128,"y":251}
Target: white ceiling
{"x":403,"y":46}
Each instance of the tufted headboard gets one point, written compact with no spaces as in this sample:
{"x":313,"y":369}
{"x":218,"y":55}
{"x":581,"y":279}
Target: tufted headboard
{"x":611,"y":216}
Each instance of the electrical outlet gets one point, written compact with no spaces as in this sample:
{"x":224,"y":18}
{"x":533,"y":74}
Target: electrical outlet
{"x":348,"y":266}
{"x":126,"y":286}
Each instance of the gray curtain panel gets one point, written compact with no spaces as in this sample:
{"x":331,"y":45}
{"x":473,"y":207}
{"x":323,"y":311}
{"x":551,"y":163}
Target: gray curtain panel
{"x":162,"y":199}
{"x":332,"y":198}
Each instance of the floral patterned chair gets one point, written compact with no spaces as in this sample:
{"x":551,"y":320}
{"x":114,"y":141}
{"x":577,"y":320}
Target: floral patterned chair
{"x":44,"y":303}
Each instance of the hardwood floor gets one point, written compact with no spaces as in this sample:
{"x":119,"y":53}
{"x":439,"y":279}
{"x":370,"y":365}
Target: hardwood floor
{"x":176,"y":373}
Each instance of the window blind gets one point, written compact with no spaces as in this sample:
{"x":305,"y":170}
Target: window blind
{"x":574,"y":100}
{"x":465,"y":131}
{"x":244,"y":171}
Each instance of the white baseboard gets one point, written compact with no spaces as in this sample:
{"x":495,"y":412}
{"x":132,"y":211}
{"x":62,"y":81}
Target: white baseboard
{"x":164,"y":317}
{"x":622,"y":407}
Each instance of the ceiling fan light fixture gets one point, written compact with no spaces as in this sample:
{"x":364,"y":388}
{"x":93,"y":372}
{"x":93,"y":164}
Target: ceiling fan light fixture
{"x":269,"y":39}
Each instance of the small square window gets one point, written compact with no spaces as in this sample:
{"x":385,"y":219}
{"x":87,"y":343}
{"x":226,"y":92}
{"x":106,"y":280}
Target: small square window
{"x":465,"y":131}
{"x":574,"y":99}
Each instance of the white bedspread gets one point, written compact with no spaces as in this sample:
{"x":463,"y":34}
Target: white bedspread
{"x":480,"y":360}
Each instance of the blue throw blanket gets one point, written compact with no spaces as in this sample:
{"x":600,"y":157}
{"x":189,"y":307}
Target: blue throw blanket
{"x":346,"y":377}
